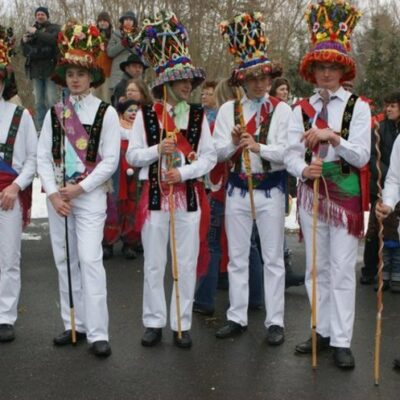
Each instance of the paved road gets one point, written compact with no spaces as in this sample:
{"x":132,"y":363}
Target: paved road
{"x":31,"y":368}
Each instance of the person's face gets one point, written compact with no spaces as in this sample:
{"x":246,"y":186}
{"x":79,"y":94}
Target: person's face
{"x":127,"y":23}
{"x":134,"y":70}
{"x":103,"y":24}
{"x":182,"y":89}
{"x":130,"y":113}
{"x":78,"y":80}
{"x":328,"y":75}
{"x":40,"y":17}
{"x":133,"y":92}
{"x":282,"y":92}
{"x":393,"y":111}
{"x":257,"y":86}
{"x":208,"y":98}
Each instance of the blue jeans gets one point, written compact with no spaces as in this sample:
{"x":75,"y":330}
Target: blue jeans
{"x":45,"y":92}
{"x":391,"y":264}
{"x":207,"y":287}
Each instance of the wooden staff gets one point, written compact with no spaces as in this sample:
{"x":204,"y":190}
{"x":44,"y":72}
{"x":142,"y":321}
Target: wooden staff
{"x":379,"y":295}
{"x":246,"y":158}
{"x":171,"y":202}
{"x":67,"y":257}
{"x":314,"y":276}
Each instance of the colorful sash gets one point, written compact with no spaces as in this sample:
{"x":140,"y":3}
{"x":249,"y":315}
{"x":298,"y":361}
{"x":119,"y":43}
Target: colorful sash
{"x":84,"y":144}
{"x":339,"y":198}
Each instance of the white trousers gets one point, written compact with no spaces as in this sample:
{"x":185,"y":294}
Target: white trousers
{"x":155,"y":237}
{"x":85,"y":235}
{"x":336,"y":281}
{"x":270,"y":217}
{"x":10,"y":258}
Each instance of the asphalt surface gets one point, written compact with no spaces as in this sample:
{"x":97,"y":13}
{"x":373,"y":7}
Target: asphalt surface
{"x":244,"y":367}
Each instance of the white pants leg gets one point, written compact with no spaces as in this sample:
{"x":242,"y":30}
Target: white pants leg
{"x":336,"y":261}
{"x":10,"y":258}
{"x":86,"y":225}
{"x":271,"y":227}
{"x":238,"y":226}
{"x":155,"y":236}
{"x":187,"y":225}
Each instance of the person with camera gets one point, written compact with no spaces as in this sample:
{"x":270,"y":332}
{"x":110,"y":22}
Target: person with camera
{"x":39,"y":46}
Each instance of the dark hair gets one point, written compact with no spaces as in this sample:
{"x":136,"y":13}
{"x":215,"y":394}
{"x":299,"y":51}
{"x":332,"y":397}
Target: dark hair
{"x":122,"y":106}
{"x":276,"y":83}
{"x":209,"y":84}
{"x":393,"y":97}
{"x":144,"y":90}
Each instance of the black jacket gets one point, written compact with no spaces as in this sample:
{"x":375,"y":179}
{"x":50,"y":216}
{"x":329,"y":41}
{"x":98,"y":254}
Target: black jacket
{"x":41,"y":51}
{"x":388,"y":133}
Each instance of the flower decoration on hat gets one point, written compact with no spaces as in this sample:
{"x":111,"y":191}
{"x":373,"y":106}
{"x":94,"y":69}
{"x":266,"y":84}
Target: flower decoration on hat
{"x":248,"y":43}
{"x":80,"y":46}
{"x":330,"y":24}
{"x":7,"y":44}
{"x":164,"y":42}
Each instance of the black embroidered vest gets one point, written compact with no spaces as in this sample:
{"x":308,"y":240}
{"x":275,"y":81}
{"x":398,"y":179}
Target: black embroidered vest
{"x":8,"y":147}
{"x":192,"y":134}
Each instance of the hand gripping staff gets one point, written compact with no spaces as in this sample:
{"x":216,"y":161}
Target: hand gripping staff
{"x":171,"y":202}
{"x":246,"y":158}
{"x":67,"y":257}
{"x":379,"y":295}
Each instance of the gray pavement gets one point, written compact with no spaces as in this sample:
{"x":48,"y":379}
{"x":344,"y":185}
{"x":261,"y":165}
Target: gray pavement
{"x":246,"y":367}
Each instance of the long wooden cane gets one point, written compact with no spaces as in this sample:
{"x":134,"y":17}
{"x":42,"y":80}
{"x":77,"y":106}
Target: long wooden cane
{"x":314,"y":275}
{"x":171,"y":202}
{"x":67,"y":257}
{"x":379,"y":295}
{"x":246,"y":158}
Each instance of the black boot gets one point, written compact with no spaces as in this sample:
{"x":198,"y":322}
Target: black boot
{"x":291,"y":278}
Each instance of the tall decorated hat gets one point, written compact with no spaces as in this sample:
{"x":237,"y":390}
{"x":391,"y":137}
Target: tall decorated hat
{"x":164,"y":42}
{"x":79,"y":46}
{"x":330,"y":24}
{"x":7,"y":43}
{"x":247,"y":42}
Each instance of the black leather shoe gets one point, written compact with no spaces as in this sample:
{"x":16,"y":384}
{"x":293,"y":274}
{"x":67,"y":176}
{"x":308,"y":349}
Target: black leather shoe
{"x":231,"y":329}
{"x":185,"y":342}
{"x":151,"y":337}
{"x":66,"y":338}
{"x":7,"y":333}
{"x":306,"y":347}
{"x":108,"y":252}
{"x":202,"y":310}
{"x":129,"y":252}
{"x":101,"y":348}
{"x":343,"y":357}
{"x":396,"y":363}
{"x":275,"y":335}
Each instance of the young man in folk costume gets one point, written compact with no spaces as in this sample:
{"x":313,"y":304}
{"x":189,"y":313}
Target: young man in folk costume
{"x":79,"y":144}
{"x":18,"y":142}
{"x":330,"y":139}
{"x":171,"y":142}
{"x":252,"y":132}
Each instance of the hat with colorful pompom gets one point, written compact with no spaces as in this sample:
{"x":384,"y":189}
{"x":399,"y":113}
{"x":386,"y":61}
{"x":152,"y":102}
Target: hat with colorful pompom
{"x":330,"y":24}
{"x":247,"y":42}
{"x":164,"y":42}
{"x":79,"y":46}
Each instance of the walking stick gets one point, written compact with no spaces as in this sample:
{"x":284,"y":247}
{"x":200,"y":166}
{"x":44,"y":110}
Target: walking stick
{"x":67,"y":257}
{"x":246,"y":159}
{"x":379,"y":295}
{"x":314,"y":276}
{"x":175,"y":270}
